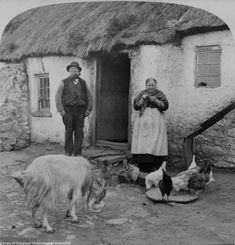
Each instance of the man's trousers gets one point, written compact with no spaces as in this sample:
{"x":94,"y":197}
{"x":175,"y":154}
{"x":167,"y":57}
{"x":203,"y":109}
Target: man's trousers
{"x":74,"y":134}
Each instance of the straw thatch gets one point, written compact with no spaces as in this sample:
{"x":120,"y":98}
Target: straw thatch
{"x":82,"y":28}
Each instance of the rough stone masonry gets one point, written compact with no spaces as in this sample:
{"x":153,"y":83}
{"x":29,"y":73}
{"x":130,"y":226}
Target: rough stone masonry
{"x":14,"y":108}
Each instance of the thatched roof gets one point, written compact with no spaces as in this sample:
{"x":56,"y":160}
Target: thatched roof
{"x":82,"y":28}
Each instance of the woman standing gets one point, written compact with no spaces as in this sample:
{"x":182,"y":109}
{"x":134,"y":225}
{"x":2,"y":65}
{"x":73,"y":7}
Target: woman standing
{"x":149,"y":142}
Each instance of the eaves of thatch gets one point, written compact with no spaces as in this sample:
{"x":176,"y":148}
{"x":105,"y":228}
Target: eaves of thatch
{"x":81,"y":29}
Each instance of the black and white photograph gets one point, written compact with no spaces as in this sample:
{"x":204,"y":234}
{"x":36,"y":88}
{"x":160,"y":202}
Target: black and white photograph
{"x":117,"y":122}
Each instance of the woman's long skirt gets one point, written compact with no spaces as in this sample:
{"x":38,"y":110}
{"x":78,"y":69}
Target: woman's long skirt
{"x":150,"y":136}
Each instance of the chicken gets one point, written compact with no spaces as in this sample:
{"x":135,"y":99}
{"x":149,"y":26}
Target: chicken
{"x":153,"y":178}
{"x":130,"y":171}
{"x":165,"y":185}
{"x":196,"y":182}
{"x":193,"y":167}
{"x":199,"y":181}
{"x":180,"y":181}
{"x":211,"y":179}
{"x":194,"y":178}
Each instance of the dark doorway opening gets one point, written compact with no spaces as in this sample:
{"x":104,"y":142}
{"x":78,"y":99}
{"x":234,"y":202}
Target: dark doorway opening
{"x":113,"y":99}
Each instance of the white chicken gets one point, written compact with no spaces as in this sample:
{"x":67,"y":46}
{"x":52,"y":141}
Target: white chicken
{"x":193,"y":167}
{"x":153,"y":178}
{"x":180,"y":181}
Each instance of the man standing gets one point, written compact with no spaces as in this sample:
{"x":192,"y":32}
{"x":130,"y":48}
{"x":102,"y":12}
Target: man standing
{"x":74,"y":102}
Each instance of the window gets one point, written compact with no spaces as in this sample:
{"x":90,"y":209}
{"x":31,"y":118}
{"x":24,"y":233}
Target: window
{"x":208,"y":66}
{"x":43,"y":93}
{"x":43,"y":98}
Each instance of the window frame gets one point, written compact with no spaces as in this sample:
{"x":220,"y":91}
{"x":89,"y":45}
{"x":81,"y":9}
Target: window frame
{"x":207,"y":49}
{"x":42,"y":112}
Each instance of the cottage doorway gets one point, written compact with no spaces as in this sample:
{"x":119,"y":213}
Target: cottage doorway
{"x":113,"y":100}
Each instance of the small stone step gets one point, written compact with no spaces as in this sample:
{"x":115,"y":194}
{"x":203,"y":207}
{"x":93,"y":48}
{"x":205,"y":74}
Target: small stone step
{"x":94,"y":152}
{"x":111,"y":159}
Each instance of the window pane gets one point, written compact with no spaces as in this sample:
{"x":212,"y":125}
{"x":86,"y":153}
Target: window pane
{"x":208,"y":58}
{"x":211,"y":82}
{"x":215,"y":48}
{"x":40,"y":104}
{"x":43,"y":92}
{"x":208,"y":70}
{"x":41,"y":83}
{"x":44,"y":82}
{"x":214,"y":58}
{"x":48,"y":93}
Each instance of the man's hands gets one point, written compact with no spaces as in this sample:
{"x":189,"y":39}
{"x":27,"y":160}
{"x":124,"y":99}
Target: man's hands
{"x":86,"y":114}
{"x":62,"y":113}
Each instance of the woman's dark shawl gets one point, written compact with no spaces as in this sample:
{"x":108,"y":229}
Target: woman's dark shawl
{"x":161,"y":105}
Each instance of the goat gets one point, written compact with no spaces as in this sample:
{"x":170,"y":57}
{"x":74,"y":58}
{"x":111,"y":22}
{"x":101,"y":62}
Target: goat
{"x":51,"y":177}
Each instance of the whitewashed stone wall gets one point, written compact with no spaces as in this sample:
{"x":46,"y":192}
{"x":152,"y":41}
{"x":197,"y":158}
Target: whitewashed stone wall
{"x":14,"y":108}
{"x":52,"y":128}
{"x":173,"y":67}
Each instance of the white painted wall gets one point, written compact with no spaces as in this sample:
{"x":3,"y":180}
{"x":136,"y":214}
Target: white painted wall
{"x":2,"y":64}
{"x":198,"y":104}
{"x":52,"y":128}
{"x":173,"y":67}
{"x":164,"y":63}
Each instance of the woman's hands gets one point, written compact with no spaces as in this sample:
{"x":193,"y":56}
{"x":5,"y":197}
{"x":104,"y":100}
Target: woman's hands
{"x":155,"y":100}
{"x":143,"y":98}
{"x":151,"y":99}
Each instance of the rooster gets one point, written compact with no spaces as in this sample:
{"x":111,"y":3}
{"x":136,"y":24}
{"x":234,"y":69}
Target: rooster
{"x":154,"y":177}
{"x":165,"y":185}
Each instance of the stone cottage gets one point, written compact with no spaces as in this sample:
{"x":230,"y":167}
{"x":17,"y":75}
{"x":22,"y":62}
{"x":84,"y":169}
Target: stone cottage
{"x":119,"y":44}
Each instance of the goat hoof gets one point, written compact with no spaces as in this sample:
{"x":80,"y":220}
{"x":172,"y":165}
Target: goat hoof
{"x":37,"y":225}
{"x":50,"y":230}
{"x":68,"y":214}
{"x":75,"y":221}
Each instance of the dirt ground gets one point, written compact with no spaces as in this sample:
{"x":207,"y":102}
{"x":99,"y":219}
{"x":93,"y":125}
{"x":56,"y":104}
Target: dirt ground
{"x":128,"y":217}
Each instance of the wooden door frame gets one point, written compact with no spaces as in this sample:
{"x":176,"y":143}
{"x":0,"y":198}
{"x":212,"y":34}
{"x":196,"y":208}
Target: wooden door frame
{"x":96,"y":100}
{"x":123,"y":146}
